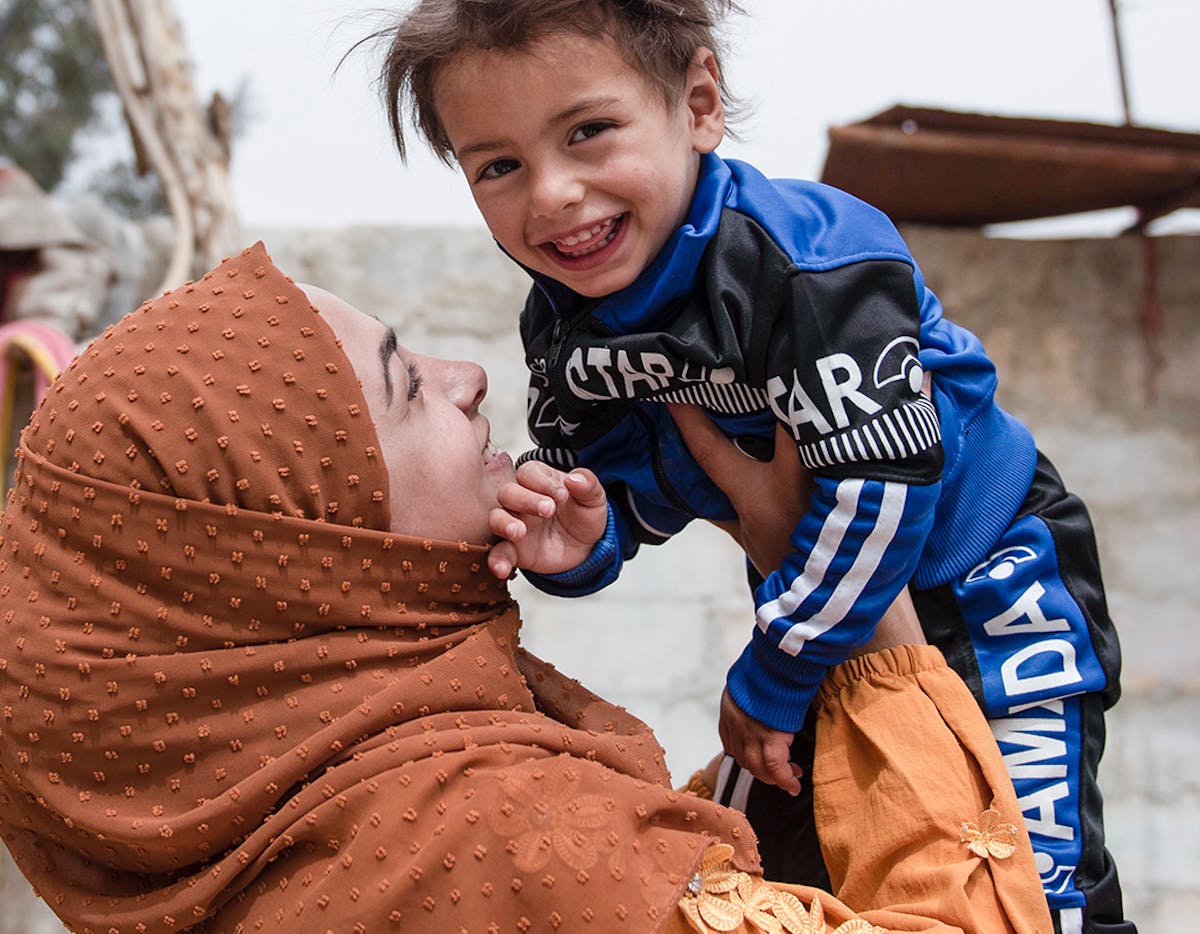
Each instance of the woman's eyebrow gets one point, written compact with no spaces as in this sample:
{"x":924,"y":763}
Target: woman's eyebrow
{"x":387,"y":348}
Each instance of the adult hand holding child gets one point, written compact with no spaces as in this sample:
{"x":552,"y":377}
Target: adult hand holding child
{"x":768,"y":497}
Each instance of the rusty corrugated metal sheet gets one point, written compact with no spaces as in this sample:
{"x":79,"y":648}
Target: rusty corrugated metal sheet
{"x":947,"y":167}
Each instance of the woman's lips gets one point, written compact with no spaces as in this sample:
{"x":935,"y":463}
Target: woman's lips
{"x":495,"y":457}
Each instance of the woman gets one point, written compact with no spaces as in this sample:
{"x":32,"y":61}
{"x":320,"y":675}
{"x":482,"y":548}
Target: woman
{"x":254,"y":677}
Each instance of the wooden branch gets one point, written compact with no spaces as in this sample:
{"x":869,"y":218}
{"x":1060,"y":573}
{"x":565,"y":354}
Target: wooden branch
{"x":153,"y":75}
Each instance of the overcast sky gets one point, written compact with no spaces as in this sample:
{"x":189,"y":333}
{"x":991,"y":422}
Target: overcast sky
{"x":318,"y":154}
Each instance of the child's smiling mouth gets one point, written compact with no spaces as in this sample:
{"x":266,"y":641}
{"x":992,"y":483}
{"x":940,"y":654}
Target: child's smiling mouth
{"x":585,"y":242}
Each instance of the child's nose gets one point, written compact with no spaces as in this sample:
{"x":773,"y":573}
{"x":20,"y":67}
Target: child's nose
{"x":555,"y":188}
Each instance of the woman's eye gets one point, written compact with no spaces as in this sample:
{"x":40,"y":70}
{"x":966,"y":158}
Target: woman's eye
{"x":588,"y":130}
{"x":498,"y":168}
{"x":414,"y":382}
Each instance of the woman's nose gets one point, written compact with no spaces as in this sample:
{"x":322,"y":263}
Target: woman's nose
{"x":464,"y":383}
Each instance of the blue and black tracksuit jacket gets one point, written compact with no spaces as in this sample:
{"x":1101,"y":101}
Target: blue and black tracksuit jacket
{"x":793,"y":302}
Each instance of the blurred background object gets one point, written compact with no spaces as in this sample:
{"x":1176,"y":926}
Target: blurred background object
{"x":69,"y":265}
{"x":186,"y":146}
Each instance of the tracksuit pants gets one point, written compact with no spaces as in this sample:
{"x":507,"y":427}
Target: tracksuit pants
{"x":1028,"y":630}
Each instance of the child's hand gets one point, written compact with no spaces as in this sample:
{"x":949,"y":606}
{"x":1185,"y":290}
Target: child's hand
{"x":763,"y":752}
{"x":548,"y":521}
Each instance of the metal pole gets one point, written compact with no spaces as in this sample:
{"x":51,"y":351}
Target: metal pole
{"x":1116,"y":27}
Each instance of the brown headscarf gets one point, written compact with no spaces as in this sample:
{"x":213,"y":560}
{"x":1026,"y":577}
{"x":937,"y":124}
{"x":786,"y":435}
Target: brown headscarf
{"x":231,"y":697}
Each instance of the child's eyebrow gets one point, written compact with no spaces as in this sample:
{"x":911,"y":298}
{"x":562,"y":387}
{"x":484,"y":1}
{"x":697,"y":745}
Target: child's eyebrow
{"x":481,"y":147}
{"x":584,"y":106}
{"x":566,"y":115}
{"x":387,"y":348}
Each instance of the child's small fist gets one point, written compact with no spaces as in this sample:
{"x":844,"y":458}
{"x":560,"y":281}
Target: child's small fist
{"x":547,"y":521}
{"x":763,"y":752}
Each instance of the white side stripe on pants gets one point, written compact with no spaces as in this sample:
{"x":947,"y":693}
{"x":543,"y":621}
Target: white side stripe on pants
{"x":737,"y":796}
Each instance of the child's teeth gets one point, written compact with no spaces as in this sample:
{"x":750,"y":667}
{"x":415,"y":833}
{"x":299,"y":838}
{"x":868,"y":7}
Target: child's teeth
{"x":586,"y":235}
{"x":566,"y":243}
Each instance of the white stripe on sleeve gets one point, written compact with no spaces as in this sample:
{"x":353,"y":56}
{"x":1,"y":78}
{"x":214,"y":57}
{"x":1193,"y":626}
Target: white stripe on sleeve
{"x":848,"y":590}
{"x":828,"y":543}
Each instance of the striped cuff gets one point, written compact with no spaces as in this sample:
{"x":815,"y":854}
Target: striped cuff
{"x":598,"y":569}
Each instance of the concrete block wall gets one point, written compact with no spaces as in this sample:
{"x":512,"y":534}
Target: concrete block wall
{"x":1060,"y":319}
{"x":1123,"y":428}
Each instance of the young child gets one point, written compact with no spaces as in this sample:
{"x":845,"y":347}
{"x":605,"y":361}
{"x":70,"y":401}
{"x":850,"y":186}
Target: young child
{"x":665,"y":274}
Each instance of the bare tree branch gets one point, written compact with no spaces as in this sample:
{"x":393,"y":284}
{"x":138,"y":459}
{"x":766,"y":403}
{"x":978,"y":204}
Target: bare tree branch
{"x":152,"y":71}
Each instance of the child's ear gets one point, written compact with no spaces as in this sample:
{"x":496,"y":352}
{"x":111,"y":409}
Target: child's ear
{"x":702,"y":94}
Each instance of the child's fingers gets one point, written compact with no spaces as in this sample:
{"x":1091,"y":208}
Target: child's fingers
{"x":505,"y":525}
{"x":770,"y":766}
{"x":502,"y":559}
{"x":585,"y":487}
{"x":761,"y":751}
{"x":542,"y":478}
{"x":778,"y":767}
{"x":522,"y":501}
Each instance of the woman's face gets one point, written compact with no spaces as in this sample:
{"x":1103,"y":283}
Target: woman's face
{"x":443,"y":472}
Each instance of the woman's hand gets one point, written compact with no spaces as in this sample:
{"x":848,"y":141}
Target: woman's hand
{"x":548,"y":521}
{"x":769,"y":496}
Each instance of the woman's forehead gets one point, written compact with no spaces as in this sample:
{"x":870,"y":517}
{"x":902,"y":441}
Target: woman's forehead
{"x":345,"y":320}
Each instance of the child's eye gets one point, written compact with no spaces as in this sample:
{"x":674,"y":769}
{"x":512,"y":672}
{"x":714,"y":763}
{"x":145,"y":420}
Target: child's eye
{"x":498,"y":168}
{"x":588,"y":130}
{"x":414,"y":381}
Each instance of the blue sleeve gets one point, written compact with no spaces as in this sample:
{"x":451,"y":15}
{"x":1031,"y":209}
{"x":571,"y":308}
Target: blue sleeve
{"x":599,"y":569}
{"x":855,"y":549}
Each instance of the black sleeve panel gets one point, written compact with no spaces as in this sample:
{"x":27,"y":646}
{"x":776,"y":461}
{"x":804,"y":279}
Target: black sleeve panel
{"x":836,"y":350}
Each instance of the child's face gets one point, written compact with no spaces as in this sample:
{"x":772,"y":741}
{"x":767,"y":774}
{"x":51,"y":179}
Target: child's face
{"x":580,"y":168}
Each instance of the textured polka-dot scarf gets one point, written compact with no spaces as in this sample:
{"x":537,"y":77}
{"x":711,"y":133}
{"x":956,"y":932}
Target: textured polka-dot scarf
{"x":230,"y":699}
{"x":195,"y":575}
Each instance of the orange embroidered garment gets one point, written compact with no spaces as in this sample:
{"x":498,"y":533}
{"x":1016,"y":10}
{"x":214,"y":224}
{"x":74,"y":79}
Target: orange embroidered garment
{"x":910,"y":796}
{"x":229,"y":693}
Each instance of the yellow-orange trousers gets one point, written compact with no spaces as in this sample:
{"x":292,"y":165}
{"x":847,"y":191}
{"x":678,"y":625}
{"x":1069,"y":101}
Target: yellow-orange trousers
{"x":916,"y":815}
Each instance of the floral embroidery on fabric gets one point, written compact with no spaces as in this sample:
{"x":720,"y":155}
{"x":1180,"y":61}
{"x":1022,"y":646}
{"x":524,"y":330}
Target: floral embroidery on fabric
{"x":990,"y":836}
{"x":720,"y":898}
{"x":696,"y":786}
{"x":542,"y":815}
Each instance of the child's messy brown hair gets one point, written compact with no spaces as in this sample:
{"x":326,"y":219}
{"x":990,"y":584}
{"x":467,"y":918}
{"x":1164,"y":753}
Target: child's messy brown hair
{"x":656,"y":37}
